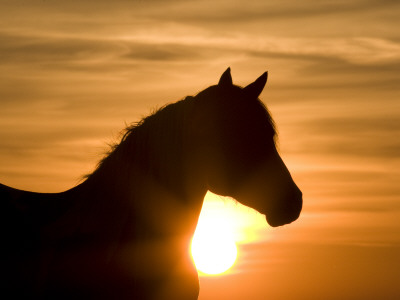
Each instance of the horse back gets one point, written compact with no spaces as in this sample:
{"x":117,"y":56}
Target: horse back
{"x":30,"y":208}
{"x":23,"y":214}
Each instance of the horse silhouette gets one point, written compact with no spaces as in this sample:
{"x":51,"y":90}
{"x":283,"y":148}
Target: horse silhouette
{"x":124,"y":232}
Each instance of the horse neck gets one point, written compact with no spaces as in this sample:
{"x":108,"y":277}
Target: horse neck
{"x":152,"y":169}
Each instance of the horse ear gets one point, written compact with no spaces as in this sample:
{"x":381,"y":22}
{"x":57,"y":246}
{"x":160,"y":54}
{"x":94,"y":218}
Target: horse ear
{"x":254,"y":89}
{"x":226,"y":78}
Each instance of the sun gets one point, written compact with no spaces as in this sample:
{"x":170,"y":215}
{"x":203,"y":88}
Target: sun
{"x":223,"y":225}
{"x":213,"y":247}
{"x":214,"y":250}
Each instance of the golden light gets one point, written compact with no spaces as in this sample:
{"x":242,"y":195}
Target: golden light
{"x":214,"y":251}
{"x":223,"y":224}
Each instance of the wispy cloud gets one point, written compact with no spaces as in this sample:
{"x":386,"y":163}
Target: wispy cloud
{"x":365,"y":136}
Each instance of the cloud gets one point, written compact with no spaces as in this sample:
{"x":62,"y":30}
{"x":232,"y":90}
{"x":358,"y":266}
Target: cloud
{"x":199,"y":12}
{"x":28,"y":49}
{"x":371,"y":136}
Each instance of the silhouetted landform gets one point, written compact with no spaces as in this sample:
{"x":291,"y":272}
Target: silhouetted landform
{"x":124,"y":232}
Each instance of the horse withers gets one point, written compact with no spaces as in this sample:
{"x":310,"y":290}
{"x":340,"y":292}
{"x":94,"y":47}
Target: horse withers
{"x":125,"y":231}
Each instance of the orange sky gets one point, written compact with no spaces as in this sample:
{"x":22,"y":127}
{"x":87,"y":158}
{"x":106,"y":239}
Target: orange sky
{"x":72,"y":73}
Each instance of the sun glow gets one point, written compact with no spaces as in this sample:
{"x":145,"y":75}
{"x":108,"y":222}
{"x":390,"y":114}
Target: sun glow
{"x":223,"y":224}
{"x":214,"y":251}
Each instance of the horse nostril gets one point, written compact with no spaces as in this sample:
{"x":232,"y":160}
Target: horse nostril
{"x":297,"y":193}
{"x":296,"y":201}
{"x":299,"y":200}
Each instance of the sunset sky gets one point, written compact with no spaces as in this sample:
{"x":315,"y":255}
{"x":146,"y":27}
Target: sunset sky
{"x":73,"y":74}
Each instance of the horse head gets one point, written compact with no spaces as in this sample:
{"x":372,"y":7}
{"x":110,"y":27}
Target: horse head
{"x":238,"y":153}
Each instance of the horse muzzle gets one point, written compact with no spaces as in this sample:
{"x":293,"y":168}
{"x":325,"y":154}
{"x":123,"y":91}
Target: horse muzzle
{"x":287,"y":210}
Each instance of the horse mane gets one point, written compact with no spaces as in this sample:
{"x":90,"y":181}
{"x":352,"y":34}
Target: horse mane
{"x":156,"y":140}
